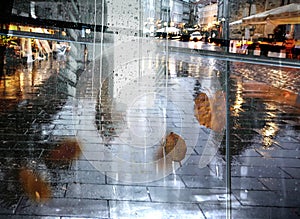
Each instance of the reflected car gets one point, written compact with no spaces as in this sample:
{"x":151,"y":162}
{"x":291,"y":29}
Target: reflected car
{"x":185,"y":37}
{"x":196,"y":36}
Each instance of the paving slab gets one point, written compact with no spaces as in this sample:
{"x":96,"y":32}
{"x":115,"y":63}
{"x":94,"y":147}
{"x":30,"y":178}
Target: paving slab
{"x":123,"y":209}
{"x":111,"y":192}
{"x":65,"y":207}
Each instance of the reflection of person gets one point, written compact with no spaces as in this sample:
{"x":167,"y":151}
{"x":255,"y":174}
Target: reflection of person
{"x":288,"y":35}
{"x":206,"y":35}
{"x":85,"y":54}
{"x":59,"y":50}
{"x":298,"y":100}
{"x":279,"y":34}
{"x":297,"y":49}
{"x":2,"y":56}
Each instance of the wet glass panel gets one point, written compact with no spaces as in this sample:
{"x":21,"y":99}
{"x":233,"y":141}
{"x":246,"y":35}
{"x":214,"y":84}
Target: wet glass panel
{"x":149,"y":109}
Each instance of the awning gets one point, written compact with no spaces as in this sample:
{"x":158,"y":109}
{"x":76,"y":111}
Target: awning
{"x":236,"y":22}
{"x":287,"y":14}
{"x":168,"y":30}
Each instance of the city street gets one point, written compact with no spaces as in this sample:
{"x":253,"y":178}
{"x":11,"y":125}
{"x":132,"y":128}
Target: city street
{"x":76,"y":143}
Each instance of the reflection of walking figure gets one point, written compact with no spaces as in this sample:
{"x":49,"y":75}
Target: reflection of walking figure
{"x":288,"y":36}
{"x":86,"y":52}
{"x":2,"y":56}
{"x":298,"y":100}
{"x":26,"y":49}
{"x":60,"y":51}
{"x":206,"y":35}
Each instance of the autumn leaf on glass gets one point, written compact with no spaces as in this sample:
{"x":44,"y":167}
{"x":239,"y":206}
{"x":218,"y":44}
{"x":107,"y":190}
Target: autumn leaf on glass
{"x":67,"y":150}
{"x":211,"y":112}
{"x":34,"y":186}
{"x":173,"y":148}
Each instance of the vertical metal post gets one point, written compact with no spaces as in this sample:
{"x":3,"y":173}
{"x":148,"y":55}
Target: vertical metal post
{"x":227,"y":82}
{"x":226,"y":23}
{"x":101,"y":46}
{"x":140,"y":37}
{"x":228,"y":152}
{"x":94,"y":46}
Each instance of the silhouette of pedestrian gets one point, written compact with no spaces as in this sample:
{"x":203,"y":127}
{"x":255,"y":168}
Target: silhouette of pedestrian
{"x":2,"y":56}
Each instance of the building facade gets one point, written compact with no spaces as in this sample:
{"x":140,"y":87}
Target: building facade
{"x":240,"y":9}
{"x":207,"y":16}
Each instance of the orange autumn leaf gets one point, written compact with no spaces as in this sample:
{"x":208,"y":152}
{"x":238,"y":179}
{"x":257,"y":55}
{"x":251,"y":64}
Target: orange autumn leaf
{"x":34,"y":186}
{"x":175,"y":147}
{"x":67,"y":150}
{"x":211,"y":112}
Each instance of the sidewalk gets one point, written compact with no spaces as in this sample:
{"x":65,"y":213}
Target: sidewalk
{"x":117,"y":180}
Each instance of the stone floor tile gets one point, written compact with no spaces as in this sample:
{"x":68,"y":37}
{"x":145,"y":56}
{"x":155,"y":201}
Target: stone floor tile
{"x":247,"y":183}
{"x":161,"y":194}
{"x":8,"y":206}
{"x":289,"y":186}
{"x":168,"y":181}
{"x":270,"y":162}
{"x":111,"y":192}
{"x":128,"y":210}
{"x":82,"y":165}
{"x":290,"y":145}
{"x":203,"y":182}
{"x":93,"y":153}
{"x":250,"y":153}
{"x":260,"y":171}
{"x":84,"y":218}
{"x":279,"y":153}
{"x":27,"y":217}
{"x":294,"y":172}
{"x":212,"y":211}
{"x":193,"y":160}
{"x":64,"y":132}
{"x":65,"y":207}
{"x":93,"y":177}
{"x":266,"y":199}
{"x":193,"y":170}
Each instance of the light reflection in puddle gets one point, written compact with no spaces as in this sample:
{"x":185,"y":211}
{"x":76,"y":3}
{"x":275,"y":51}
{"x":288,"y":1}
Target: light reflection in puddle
{"x":269,"y":132}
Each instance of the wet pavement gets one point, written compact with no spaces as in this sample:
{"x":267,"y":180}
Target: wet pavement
{"x":72,"y":150}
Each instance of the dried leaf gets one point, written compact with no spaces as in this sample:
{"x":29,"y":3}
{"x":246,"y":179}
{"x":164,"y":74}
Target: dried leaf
{"x":34,"y":186}
{"x":67,"y":150}
{"x":211,"y":113}
{"x":175,"y":147}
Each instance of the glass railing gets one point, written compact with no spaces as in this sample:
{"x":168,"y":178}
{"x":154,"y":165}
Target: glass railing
{"x":123,"y":114}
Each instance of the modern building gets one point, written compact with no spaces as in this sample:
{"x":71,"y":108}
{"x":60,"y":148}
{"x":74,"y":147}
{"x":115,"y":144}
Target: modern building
{"x":207,"y":16}
{"x":177,"y":13}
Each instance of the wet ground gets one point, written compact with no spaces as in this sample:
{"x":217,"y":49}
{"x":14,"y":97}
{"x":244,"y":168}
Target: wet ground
{"x":72,"y":150}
